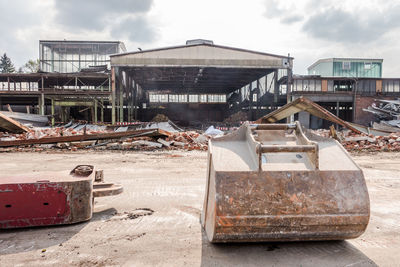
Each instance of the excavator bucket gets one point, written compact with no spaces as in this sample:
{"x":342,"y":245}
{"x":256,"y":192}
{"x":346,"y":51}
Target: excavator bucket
{"x":269,"y":182}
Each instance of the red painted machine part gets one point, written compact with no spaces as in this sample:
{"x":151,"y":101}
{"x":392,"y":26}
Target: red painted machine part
{"x":34,"y":204}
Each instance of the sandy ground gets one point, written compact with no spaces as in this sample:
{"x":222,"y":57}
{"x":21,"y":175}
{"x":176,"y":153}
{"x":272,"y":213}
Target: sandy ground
{"x":170,"y":187}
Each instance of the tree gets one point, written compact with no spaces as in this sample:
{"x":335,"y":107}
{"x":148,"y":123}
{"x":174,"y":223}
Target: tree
{"x":6,"y":66}
{"x":31,"y":66}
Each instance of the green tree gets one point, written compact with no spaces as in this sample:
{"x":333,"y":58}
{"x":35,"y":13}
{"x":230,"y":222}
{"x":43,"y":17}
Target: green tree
{"x":31,"y":66}
{"x":6,"y":66}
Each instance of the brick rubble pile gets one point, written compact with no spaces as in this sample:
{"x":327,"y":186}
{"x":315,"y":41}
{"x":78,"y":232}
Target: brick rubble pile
{"x":363,"y":142}
{"x":189,"y":140}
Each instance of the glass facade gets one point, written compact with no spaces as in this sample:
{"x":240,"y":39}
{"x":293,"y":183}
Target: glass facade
{"x":72,"y":56}
{"x":183,"y":98}
{"x":363,"y":69}
{"x":352,"y":68}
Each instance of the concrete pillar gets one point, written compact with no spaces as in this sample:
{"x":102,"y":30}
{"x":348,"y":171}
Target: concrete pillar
{"x":135,"y":102}
{"x":102,"y":110}
{"x":337,"y":108}
{"x":128,"y":102}
{"x":304,"y":119}
{"x":62,"y":113}
{"x":276,"y":87}
{"x":113,"y":113}
{"x":42,"y":104}
{"x":250,"y":116}
{"x":52,"y":113}
{"x":95,"y":111}
{"x":258,"y":98}
{"x":337,"y":113}
{"x":121,"y":105}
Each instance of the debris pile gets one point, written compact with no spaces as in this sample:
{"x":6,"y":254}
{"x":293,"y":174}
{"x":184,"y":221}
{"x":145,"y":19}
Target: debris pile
{"x":372,"y":143}
{"x":236,"y":118}
{"x":38,"y":133}
{"x":189,"y":140}
{"x":388,"y":113}
{"x":100,"y":138}
{"x":364,"y":142}
{"x":160,"y":118}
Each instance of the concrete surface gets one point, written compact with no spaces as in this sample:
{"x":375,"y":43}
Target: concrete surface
{"x":155,"y":222}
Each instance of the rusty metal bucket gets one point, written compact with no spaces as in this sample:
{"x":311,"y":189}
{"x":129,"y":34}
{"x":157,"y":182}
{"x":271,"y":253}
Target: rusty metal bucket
{"x":269,"y":182}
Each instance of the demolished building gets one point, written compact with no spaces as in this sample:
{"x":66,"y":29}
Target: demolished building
{"x":190,"y":84}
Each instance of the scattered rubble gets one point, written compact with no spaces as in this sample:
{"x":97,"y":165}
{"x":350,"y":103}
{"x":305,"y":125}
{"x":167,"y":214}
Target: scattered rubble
{"x":189,"y":140}
{"x":236,"y":118}
{"x":364,"y":142}
{"x":388,"y":113}
{"x":160,"y":118}
{"x":101,"y":138}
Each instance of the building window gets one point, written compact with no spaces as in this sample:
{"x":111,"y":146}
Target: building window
{"x":367,"y":66}
{"x":183,"y":98}
{"x":203,"y":98}
{"x":346,"y":65}
{"x":173,"y":98}
{"x":163,"y":98}
{"x":193,"y":98}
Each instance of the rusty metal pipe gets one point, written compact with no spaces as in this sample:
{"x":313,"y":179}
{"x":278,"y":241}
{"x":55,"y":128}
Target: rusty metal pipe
{"x":275,"y":126}
{"x":285,"y":148}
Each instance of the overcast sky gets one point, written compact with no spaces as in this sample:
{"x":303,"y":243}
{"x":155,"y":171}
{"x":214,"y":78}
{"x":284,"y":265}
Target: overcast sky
{"x":308,"y":30}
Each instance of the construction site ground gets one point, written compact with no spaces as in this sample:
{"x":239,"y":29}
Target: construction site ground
{"x":155,"y":222}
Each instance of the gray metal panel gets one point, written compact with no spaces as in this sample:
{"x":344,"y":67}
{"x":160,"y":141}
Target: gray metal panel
{"x":201,"y":55}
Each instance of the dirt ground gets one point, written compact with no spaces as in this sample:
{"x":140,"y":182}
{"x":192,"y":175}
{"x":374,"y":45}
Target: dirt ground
{"x":155,"y":222}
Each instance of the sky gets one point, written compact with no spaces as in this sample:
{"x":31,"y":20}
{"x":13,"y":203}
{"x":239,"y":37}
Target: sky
{"x":307,"y":29}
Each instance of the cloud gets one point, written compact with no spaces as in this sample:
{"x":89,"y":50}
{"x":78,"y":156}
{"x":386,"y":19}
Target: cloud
{"x":286,"y":14}
{"x":96,"y":14}
{"x":273,"y":10}
{"x":17,"y":16}
{"x":136,"y":29}
{"x":292,"y":19}
{"x":341,"y":26}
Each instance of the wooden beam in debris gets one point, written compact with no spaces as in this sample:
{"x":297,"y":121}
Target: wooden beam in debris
{"x":86,"y":137}
{"x":11,"y":125}
{"x":304,"y":104}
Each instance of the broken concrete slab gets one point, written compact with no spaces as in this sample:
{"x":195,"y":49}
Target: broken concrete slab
{"x":176,"y":143}
{"x":83,"y":144}
{"x":359,"y":138}
{"x":163,"y":142}
{"x":148,"y":143}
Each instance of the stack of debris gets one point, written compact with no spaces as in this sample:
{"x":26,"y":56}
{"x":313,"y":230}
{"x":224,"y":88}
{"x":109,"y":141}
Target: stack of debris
{"x":189,"y":140}
{"x":74,"y":136}
{"x":363,"y":142}
{"x":236,"y":118}
{"x":160,"y":118}
{"x":354,"y":142}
